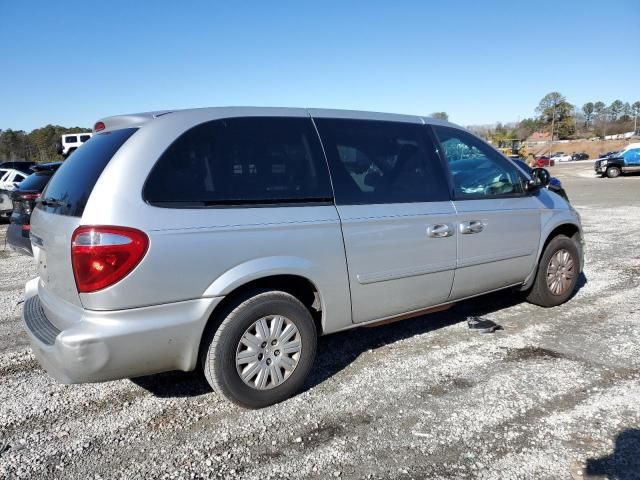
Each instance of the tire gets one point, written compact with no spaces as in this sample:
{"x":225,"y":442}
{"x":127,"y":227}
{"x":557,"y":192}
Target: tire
{"x":542,"y":293}
{"x":222,"y":345}
{"x":613,"y":172}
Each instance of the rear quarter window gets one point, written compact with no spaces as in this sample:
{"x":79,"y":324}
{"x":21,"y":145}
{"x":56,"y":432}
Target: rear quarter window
{"x":68,"y":191}
{"x":241,"y":161}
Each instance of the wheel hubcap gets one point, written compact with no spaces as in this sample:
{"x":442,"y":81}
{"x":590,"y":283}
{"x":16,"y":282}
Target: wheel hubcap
{"x":268,"y":352}
{"x":560,"y":272}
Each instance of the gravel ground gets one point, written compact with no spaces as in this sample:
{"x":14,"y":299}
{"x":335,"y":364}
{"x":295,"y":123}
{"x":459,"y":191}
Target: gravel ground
{"x":555,"y":394}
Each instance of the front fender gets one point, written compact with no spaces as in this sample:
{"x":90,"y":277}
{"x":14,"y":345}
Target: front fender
{"x":551,"y":220}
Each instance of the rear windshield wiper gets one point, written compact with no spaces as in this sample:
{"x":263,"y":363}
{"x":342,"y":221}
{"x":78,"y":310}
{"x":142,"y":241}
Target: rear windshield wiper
{"x":52,"y":202}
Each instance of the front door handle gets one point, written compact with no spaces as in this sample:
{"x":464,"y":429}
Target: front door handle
{"x":473,"y":226}
{"x":440,"y":230}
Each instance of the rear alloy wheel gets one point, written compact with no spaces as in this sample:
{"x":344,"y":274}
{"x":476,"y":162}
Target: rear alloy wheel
{"x":557,"y":273}
{"x":262,"y":351}
{"x":268,"y":352}
{"x":613,"y":172}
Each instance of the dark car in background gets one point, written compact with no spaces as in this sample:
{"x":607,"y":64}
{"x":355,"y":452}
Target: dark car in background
{"x":24,"y":200}
{"x":625,"y":161}
{"x":580,"y":156}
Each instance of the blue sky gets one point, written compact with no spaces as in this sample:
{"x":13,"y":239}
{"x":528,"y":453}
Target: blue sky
{"x":71,"y":63}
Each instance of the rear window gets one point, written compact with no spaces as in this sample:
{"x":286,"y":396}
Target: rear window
{"x":69,"y":189}
{"x":36,"y":182}
{"x":242,"y":161}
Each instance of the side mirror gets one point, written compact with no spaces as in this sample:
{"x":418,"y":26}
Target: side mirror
{"x":541,"y":176}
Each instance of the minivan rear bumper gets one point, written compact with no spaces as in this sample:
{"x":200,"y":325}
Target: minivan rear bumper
{"x":99,"y":346}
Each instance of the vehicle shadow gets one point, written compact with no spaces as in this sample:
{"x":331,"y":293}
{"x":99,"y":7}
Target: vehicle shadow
{"x":336,"y":352}
{"x":174,"y":384}
{"x":623,"y":463}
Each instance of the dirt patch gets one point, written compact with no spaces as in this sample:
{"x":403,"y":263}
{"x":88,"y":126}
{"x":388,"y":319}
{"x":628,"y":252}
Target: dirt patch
{"x":449,"y":386}
{"x":531,"y":353}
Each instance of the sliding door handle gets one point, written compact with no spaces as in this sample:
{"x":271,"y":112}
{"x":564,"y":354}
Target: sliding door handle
{"x":473,"y":226}
{"x":440,"y":230}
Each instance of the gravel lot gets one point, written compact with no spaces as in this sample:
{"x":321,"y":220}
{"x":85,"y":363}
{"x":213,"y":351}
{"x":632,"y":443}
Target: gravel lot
{"x":557,"y":391}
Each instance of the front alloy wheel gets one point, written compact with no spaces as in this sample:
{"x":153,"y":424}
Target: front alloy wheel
{"x":613,"y":172}
{"x":560,"y":272}
{"x":557,"y":273}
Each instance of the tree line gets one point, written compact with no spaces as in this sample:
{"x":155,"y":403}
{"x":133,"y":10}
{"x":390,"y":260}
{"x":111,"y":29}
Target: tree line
{"x":40,"y":145}
{"x":557,"y":117}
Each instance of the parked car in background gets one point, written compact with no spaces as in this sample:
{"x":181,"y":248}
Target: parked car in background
{"x":626,"y":160}
{"x":10,"y":178}
{"x":553,"y":184}
{"x":6,"y":204}
{"x":544,"y":162}
{"x":22,"y":166}
{"x":72,"y":141}
{"x":24,"y":199}
{"x":561,"y":157}
{"x":580,"y":156}
{"x":228,"y":239}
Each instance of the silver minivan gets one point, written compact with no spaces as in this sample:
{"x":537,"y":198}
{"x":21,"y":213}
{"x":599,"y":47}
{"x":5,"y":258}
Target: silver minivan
{"x":228,"y":239}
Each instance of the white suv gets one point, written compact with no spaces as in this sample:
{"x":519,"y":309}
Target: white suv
{"x":72,"y":141}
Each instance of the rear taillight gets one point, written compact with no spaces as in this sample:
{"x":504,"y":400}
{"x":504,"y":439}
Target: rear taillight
{"x":29,"y":196}
{"x":102,"y":256}
{"x":99,"y":126}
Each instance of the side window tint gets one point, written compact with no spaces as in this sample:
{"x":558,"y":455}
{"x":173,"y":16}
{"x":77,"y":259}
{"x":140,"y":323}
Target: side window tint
{"x":84,"y":138}
{"x":477,"y":170}
{"x":71,"y":139}
{"x":381,"y":162}
{"x":242,"y":161}
{"x":632,"y":156}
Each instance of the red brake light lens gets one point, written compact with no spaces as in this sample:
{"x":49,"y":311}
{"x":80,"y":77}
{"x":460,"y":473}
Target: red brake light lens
{"x":29,"y":196}
{"x":99,"y":126}
{"x":102,"y":256}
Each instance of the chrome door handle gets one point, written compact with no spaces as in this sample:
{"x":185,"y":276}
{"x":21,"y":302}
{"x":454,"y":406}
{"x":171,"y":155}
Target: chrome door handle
{"x":474,"y":226}
{"x":440,"y":230}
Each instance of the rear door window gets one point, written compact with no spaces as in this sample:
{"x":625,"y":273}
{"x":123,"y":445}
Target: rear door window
{"x":84,"y":138}
{"x":71,"y":139}
{"x":241,"y":161}
{"x":375,"y":162}
{"x":68,"y":191}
